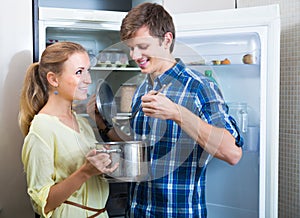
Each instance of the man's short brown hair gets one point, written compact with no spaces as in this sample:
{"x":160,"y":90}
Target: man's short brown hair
{"x":151,"y":15}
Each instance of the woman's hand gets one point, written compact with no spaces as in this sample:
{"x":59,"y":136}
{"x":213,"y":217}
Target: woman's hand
{"x":99,"y":163}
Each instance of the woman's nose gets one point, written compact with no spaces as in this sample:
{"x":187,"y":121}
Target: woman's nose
{"x":87,"y":78}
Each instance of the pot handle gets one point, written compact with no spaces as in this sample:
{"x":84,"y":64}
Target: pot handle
{"x":110,"y":151}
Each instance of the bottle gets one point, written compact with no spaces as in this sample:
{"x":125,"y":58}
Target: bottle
{"x":208,"y":73}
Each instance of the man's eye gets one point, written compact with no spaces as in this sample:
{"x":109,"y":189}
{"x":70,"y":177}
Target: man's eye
{"x":143,"y":46}
{"x":78,"y":72}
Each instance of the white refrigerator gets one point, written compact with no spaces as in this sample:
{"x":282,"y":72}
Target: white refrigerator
{"x":240,"y":47}
{"x":251,"y":88}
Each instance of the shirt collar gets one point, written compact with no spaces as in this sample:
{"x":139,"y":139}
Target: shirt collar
{"x":167,"y":77}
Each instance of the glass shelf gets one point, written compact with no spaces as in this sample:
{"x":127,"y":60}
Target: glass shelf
{"x":115,"y":68}
{"x":226,"y":66}
{"x":245,"y":70}
{"x":223,"y":65}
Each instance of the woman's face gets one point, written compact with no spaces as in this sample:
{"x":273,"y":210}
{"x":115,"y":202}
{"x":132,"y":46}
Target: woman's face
{"x":151,"y":55}
{"x":74,"y":81}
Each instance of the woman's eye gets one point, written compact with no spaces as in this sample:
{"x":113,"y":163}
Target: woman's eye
{"x":78,"y":72}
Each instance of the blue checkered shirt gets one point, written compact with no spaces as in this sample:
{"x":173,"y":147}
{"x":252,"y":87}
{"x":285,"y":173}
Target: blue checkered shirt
{"x":176,"y":184}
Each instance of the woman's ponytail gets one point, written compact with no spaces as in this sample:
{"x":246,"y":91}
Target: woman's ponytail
{"x":34,"y":96}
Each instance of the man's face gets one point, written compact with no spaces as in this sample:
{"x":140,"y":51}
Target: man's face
{"x":151,"y":55}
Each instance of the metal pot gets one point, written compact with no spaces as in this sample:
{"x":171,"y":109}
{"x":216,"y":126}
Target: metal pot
{"x":133,"y":160}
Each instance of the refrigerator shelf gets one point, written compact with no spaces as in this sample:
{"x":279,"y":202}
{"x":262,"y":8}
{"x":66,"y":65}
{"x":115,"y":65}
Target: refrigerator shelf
{"x":247,"y":70}
{"x":223,"y":65}
{"x":115,"y":68}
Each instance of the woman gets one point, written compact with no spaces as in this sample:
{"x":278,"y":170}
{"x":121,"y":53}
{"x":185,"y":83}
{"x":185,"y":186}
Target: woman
{"x":58,"y":154}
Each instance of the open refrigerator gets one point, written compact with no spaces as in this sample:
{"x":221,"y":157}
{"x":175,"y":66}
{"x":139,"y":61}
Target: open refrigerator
{"x":240,"y":47}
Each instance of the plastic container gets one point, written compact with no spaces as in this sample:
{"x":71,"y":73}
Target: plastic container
{"x":238,"y":111}
{"x":93,"y":58}
{"x":112,"y":58}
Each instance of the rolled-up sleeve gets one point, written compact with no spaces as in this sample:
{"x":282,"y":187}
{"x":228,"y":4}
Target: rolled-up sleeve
{"x":214,"y":110}
{"x":38,"y":161}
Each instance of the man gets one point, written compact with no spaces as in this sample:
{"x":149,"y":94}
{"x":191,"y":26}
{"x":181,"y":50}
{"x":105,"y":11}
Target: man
{"x":184,"y":124}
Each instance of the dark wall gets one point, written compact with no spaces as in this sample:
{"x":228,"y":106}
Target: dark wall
{"x":110,"y":5}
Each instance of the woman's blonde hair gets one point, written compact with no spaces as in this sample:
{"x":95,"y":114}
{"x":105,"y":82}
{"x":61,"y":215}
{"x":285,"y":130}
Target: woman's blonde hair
{"x":35,"y":91}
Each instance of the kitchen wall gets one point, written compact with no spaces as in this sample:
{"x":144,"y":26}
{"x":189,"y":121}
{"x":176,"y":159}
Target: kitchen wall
{"x":289,"y":126}
{"x":15,"y":56}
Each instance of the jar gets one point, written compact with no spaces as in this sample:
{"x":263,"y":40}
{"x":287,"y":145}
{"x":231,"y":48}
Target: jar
{"x":127,"y":92}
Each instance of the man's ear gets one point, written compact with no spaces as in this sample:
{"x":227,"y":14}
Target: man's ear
{"x":52,"y":79}
{"x":168,"y":39}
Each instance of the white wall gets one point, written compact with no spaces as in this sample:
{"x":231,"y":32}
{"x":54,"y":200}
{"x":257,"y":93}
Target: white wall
{"x":178,"y":6}
{"x":15,"y":56}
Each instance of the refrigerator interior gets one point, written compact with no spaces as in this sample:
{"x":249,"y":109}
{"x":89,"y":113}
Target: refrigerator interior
{"x":232,"y":191}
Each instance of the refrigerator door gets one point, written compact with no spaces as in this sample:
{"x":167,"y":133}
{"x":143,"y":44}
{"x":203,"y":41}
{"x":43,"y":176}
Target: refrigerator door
{"x":242,"y":52}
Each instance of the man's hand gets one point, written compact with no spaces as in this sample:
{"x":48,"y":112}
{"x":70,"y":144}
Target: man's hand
{"x":93,"y":112}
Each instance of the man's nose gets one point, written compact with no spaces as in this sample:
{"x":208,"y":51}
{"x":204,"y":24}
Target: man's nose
{"x":135,"y":54}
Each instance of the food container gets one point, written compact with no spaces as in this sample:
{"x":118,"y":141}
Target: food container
{"x":133,"y":159}
{"x":216,"y":62}
{"x":112,"y":58}
{"x":127,"y":92}
{"x":239,"y":112}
